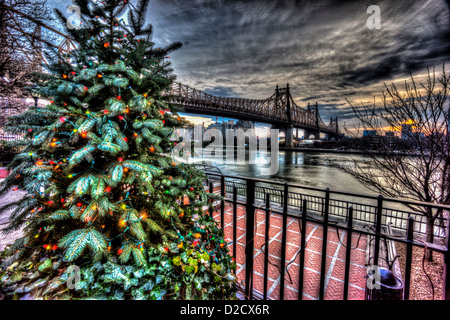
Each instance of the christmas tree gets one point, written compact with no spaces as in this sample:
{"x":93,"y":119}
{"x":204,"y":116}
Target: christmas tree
{"x":108,"y":214}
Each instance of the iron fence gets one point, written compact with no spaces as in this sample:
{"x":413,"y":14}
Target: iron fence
{"x":363,"y":212}
{"x":277,"y":198}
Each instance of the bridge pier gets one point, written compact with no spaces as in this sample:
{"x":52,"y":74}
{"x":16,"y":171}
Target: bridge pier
{"x":290,"y":134}
{"x":289,"y":137}
{"x":316,"y":134}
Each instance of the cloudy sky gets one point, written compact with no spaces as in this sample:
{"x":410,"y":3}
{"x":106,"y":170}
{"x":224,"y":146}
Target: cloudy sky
{"x":323,"y":49}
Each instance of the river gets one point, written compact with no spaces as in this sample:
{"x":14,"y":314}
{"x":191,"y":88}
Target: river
{"x":305,"y":168}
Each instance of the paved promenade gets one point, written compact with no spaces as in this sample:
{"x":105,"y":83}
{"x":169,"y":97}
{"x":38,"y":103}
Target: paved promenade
{"x":335,"y":262}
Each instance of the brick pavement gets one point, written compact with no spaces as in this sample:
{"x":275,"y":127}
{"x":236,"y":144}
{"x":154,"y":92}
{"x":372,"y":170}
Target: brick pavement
{"x":335,"y":257}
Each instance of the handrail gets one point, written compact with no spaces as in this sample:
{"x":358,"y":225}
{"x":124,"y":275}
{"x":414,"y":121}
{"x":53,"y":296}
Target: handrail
{"x":345,"y":193}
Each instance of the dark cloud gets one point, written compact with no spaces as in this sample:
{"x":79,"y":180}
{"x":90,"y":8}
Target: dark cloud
{"x":322,"y":48}
{"x":222,"y":92}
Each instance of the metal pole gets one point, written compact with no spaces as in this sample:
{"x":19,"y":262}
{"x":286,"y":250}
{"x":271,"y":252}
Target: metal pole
{"x":324,"y":245}
{"x":303,"y":250}
{"x":266,"y":246}
{"x":409,"y":247}
{"x":378,"y":230}
{"x":283,"y":240}
{"x":446,"y":286}
{"x":249,"y":241}
{"x":348,"y":252}
{"x":222,"y":202}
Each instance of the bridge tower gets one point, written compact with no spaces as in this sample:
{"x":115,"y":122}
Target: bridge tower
{"x":289,"y":130}
{"x":316,"y":130}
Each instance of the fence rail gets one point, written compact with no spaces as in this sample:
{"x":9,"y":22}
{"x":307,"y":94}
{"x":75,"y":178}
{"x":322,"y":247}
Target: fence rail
{"x":362,"y":212}
{"x":284,"y":199}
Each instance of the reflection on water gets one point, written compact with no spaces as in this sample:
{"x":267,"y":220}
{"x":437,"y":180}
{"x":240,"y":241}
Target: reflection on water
{"x":305,"y":168}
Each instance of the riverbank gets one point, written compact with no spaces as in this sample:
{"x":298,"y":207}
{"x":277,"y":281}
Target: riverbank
{"x":362,"y":152}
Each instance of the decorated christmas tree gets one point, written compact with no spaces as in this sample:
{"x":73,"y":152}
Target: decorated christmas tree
{"x":107,"y":213}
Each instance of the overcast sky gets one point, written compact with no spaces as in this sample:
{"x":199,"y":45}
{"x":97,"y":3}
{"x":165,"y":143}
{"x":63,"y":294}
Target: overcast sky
{"x":324,"y":49}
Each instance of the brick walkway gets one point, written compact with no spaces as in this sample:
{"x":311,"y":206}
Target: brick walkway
{"x":334,"y":279}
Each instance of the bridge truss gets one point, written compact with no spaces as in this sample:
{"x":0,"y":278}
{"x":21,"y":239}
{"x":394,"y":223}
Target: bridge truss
{"x":278,"y":109}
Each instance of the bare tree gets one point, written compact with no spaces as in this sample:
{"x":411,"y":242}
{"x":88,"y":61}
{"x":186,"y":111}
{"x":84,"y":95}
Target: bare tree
{"x":20,"y":47}
{"x":419,"y":112}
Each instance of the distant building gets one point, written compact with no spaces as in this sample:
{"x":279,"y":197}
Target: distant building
{"x":369,"y":133}
{"x":222,"y":127}
{"x":389,"y":137}
{"x":244,"y":124}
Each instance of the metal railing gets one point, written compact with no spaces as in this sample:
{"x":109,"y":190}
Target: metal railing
{"x":363,"y":212}
{"x":353,"y":217}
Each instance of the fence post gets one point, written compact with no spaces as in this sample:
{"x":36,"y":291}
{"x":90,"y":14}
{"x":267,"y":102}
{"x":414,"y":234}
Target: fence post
{"x":266,"y":239}
{"x":378,"y":230}
{"x":348,"y":251}
{"x":324,"y":245}
{"x":446,"y":286}
{"x":303,"y":250}
{"x":249,"y":238}
{"x":283,"y":240}
{"x":234,"y":223}
{"x":211,"y":205}
{"x":409,"y":247}
{"x":222,"y":202}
